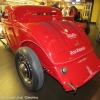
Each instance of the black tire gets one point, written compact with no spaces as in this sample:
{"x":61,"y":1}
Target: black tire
{"x":29,"y":68}
{"x":87,"y":29}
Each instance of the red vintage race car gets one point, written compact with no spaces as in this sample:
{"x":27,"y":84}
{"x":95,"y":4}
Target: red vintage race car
{"x":42,"y":40}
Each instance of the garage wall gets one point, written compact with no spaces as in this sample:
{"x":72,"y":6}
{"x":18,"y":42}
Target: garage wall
{"x":95,"y":11}
{"x":98,"y":17}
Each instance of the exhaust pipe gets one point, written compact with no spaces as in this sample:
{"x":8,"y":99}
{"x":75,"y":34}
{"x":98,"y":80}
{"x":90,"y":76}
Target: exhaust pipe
{"x":74,"y":88}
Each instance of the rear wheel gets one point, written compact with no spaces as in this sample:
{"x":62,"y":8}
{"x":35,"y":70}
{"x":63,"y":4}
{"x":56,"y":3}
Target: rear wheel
{"x":29,"y":69}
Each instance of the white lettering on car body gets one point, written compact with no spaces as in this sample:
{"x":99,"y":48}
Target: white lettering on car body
{"x":77,"y":50}
{"x":71,"y":36}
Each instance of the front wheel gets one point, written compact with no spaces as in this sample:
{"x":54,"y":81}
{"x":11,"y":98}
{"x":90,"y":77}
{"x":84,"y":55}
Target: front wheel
{"x":29,"y":68}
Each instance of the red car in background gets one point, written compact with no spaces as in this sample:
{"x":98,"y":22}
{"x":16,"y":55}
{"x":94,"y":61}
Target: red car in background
{"x":78,"y":20}
{"x":83,"y":25}
{"x":42,"y":40}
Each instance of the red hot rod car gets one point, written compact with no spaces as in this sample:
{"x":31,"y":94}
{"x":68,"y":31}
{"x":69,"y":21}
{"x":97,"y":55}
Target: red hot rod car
{"x":42,"y":40}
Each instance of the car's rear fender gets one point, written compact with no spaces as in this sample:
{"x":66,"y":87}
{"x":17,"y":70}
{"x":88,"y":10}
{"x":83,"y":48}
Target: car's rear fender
{"x":44,"y":59}
{"x":78,"y":72}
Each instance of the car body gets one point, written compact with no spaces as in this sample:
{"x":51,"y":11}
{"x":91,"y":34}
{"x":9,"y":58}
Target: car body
{"x":41,"y":39}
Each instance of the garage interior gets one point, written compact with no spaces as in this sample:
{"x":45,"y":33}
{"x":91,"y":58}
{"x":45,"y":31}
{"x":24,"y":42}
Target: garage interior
{"x":11,"y":87}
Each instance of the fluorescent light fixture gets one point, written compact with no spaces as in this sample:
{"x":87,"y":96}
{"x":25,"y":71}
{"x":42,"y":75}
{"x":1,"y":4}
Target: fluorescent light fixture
{"x":77,"y":0}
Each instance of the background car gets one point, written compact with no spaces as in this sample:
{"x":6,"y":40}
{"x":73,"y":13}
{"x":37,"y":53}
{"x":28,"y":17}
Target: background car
{"x":78,"y":18}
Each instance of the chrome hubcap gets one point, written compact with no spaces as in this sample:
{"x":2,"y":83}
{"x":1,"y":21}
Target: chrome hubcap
{"x":25,"y":72}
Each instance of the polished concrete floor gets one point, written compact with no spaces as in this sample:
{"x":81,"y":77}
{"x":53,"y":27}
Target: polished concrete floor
{"x":11,"y":87}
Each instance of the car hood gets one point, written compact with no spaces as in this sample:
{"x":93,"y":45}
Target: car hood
{"x":59,"y":39}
